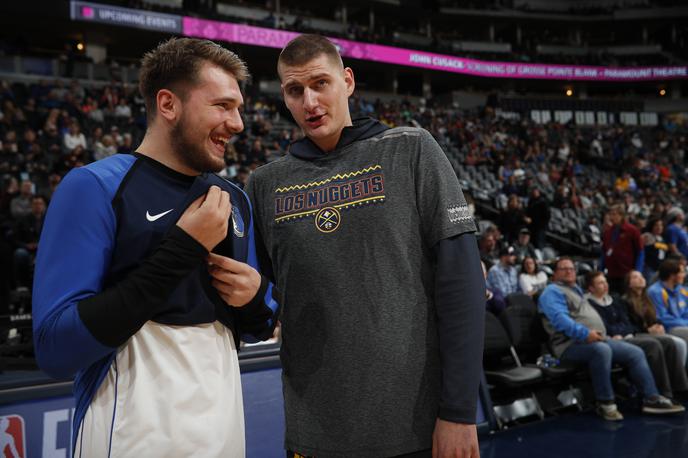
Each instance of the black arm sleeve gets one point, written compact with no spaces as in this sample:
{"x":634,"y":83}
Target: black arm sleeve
{"x":118,"y":312}
{"x":256,"y":318}
{"x":460,"y":302}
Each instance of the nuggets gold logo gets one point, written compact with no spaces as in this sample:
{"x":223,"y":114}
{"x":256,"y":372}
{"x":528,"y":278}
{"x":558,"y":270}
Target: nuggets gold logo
{"x":327,"y":220}
{"x":347,"y":190}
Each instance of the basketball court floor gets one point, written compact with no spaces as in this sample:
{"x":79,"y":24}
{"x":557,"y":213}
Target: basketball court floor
{"x":585,"y":435}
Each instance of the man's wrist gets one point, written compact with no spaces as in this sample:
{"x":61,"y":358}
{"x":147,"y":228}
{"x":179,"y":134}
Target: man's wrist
{"x":463,"y":416}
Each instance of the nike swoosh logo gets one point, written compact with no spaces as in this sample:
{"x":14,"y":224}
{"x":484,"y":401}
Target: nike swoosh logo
{"x":152,"y":218}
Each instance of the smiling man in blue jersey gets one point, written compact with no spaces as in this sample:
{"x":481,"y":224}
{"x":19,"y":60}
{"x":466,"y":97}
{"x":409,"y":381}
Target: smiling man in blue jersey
{"x":145,"y":275}
{"x":373,"y":251}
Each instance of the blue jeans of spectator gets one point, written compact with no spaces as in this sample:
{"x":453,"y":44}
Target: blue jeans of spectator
{"x":599,"y":357}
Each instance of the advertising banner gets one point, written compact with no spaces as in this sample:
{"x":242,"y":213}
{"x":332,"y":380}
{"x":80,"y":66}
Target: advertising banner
{"x":260,"y":36}
{"x":128,"y":17}
{"x":273,"y":38}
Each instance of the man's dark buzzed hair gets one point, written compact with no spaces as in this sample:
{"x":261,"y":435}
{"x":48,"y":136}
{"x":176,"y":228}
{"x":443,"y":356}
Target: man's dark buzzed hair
{"x":307,"y":47}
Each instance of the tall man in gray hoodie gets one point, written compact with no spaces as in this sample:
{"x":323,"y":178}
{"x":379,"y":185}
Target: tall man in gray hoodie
{"x":376,"y":264}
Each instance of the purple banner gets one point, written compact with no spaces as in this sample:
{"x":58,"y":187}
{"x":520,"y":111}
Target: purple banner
{"x":259,"y":36}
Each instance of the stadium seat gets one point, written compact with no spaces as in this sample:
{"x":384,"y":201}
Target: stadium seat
{"x":497,"y":346}
{"x":513,"y":397}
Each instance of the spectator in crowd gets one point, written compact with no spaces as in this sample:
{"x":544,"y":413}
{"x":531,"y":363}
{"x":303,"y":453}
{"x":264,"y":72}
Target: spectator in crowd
{"x":513,"y":219}
{"x":73,"y":138}
{"x":20,"y":206}
{"x":488,"y":249}
{"x":10,"y":190}
{"x":656,"y":248}
{"x":539,"y":214}
{"x":123,"y":110}
{"x":662,"y":354}
{"x":27,"y":233}
{"x":670,"y":298}
{"x":531,"y":280}
{"x":127,"y":144}
{"x":104,"y":148}
{"x":642,"y":313}
{"x":623,"y":249}
{"x":502,"y":276}
{"x":241,"y":177}
{"x":577,"y":334}
{"x":53,"y":180}
{"x":495,"y":301}
{"x":626,"y":183}
{"x":95,"y":138}
{"x":523,"y":247}
{"x":95,"y":112}
{"x":675,"y":233}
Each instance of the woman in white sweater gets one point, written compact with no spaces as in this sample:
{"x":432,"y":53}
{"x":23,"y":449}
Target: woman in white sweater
{"x":531,"y":280}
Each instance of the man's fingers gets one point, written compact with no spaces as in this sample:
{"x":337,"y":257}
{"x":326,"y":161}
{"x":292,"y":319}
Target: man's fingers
{"x":225,"y":276}
{"x":224,"y":204}
{"x":196,"y":203}
{"x":222,"y":287}
{"x":226,"y":263}
{"x":212,"y":197}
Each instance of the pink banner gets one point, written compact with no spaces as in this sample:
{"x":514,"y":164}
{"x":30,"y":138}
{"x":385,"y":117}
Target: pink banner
{"x":259,"y":36}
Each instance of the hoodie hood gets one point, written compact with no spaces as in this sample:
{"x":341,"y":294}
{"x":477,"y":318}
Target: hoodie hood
{"x":361,"y":129}
{"x":606,"y":300}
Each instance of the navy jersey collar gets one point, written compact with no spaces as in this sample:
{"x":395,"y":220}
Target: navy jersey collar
{"x":165,"y":169}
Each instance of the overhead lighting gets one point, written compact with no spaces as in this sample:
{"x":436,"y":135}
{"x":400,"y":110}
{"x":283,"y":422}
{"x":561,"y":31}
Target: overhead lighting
{"x":80,"y":46}
{"x":569,"y":92}
{"x":662,"y":92}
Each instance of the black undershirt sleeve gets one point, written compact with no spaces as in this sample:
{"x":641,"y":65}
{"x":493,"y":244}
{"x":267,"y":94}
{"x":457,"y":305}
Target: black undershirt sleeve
{"x":118,"y":312}
{"x":460,"y":303}
{"x":256,"y":318}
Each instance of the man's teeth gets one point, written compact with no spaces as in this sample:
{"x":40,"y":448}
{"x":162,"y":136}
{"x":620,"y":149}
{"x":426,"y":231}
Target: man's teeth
{"x":222,"y":140}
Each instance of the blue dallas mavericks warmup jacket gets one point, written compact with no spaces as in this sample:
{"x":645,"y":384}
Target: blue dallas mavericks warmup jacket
{"x":123,"y":299}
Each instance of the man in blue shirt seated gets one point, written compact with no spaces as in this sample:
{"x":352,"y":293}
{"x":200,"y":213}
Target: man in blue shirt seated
{"x":670,"y":298}
{"x":502,"y":277}
{"x":577,"y":334}
{"x":675,"y":234}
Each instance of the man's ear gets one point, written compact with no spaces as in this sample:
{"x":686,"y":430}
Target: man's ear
{"x":168,"y":104}
{"x":349,"y":80}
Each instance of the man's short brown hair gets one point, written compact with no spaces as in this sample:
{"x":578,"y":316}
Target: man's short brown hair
{"x":176,"y":63}
{"x":590,"y":278}
{"x":307,"y":47}
{"x":668,"y":268}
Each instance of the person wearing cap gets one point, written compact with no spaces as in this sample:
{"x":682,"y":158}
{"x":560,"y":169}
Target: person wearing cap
{"x":623,"y":249}
{"x":502,"y":276}
{"x":675,"y":233}
{"x":523,"y":247}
